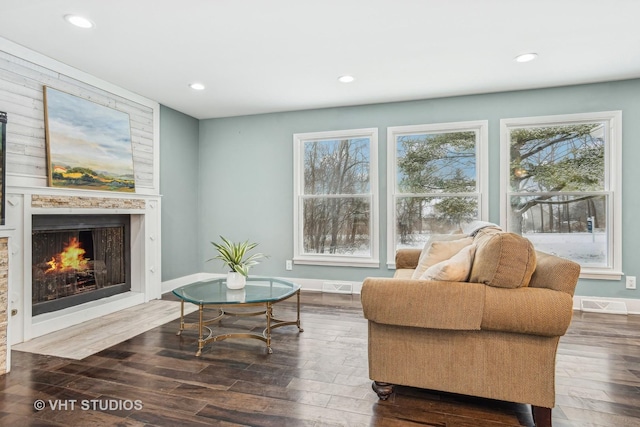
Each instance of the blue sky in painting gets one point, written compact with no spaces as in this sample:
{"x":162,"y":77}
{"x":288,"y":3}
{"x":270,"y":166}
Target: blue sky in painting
{"x":85,"y":134}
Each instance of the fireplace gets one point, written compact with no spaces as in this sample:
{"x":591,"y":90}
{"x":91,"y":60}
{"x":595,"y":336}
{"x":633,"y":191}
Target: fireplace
{"x":77,"y":259}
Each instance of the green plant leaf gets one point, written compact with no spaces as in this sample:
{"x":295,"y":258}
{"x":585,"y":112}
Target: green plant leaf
{"x":235,"y":255}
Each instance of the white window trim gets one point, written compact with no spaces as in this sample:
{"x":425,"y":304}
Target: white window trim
{"x":482,"y":170}
{"x":613,"y":175}
{"x":298,"y":177}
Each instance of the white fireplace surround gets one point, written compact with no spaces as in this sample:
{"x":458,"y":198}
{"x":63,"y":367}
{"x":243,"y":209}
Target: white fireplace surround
{"x":27,"y":72}
{"x":26,"y":202}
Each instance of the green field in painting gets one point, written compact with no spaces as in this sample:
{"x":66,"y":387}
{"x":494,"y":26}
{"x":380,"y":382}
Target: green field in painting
{"x":88,"y":179}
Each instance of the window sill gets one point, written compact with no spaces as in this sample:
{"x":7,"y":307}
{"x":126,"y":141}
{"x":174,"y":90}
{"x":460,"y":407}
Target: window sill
{"x":337,"y":262}
{"x":601,"y":274}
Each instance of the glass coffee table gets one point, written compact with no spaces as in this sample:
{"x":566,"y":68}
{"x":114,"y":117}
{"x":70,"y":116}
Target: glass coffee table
{"x":261,"y":292}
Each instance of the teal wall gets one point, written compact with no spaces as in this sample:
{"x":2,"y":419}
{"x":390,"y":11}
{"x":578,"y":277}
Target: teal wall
{"x":179,"y":140}
{"x":246,"y":169}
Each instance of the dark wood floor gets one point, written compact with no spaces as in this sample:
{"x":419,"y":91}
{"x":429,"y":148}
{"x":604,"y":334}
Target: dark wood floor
{"x":315,"y":378}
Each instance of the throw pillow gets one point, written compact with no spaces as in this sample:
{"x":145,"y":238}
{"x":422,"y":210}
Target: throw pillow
{"x":454,"y":269}
{"x":503,"y":260}
{"x":439,"y":250}
{"x":419,"y":269}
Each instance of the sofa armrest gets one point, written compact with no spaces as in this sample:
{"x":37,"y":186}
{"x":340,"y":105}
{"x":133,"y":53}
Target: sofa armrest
{"x":534,"y":311}
{"x":553,"y":272}
{"x":407,"y":258}
{"x":423,"y":303}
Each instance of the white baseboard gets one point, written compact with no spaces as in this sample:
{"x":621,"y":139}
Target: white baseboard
{"x":632,"y":305}
{"x":320,"y":285}
{"x":170,"y":285}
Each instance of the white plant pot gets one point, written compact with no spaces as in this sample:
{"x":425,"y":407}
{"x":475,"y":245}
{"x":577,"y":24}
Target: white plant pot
{"x":235,"y":280}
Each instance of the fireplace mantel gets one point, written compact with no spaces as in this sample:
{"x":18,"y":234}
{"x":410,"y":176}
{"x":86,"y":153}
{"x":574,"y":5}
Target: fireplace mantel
{"x":25,"y":202}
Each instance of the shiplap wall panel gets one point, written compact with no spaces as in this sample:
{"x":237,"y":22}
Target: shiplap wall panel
{"x":21,"y":96}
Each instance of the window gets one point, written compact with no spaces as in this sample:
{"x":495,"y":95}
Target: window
{"x":436,"y":181}
{"x":561,"y":187}
{"x":336,"y":200}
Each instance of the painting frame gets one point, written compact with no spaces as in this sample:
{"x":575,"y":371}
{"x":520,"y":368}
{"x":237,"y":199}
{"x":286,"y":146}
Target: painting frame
{"x":88,"y":145}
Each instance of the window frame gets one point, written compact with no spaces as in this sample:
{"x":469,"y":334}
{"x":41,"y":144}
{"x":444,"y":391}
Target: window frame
{"x":481,"y":127}
{"x":298,"y":218}
{"x":612,"y":179}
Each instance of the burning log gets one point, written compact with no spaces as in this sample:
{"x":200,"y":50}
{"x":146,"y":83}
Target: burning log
{"x":48,"y":285}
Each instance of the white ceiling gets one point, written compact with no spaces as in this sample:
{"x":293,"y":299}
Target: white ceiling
{"x":259,"y":56}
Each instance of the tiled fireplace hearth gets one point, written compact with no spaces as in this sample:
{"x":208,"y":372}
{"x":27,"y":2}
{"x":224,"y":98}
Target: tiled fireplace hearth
{"x":71,"y":215}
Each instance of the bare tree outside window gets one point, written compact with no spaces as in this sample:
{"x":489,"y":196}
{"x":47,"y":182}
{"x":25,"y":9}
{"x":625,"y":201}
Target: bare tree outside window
{"x":336,"y":199}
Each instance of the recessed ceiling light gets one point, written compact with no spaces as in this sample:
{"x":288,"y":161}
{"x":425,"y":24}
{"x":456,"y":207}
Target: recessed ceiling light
{"x":196,"y":86}
{"x":526,"y":57}
{"x":79,"y":21}
{"x":346,"y":79}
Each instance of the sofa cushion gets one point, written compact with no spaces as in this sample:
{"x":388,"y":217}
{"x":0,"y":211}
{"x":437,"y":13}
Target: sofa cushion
{"x":403,"y":273}
{"x":504,"y":260}
{"x":407,"y":258}
{"x":440,"y":248}
{"x":454,"y":269}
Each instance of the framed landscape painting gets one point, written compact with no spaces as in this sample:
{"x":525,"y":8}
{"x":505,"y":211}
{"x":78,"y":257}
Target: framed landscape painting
{"x":88,"y":144}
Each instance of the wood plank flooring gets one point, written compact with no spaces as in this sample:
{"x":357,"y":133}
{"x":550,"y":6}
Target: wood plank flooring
{"x":315,"y":378}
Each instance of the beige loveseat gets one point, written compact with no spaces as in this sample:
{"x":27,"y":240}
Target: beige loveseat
{"x":493,"y":336}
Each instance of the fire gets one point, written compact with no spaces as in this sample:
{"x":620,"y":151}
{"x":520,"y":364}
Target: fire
{"x":71,"y":258}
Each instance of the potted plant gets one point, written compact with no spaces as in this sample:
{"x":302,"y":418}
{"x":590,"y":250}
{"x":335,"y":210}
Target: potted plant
{"x":236,"y":257}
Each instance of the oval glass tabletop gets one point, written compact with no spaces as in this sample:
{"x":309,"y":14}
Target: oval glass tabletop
{"x":257,"y":290}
